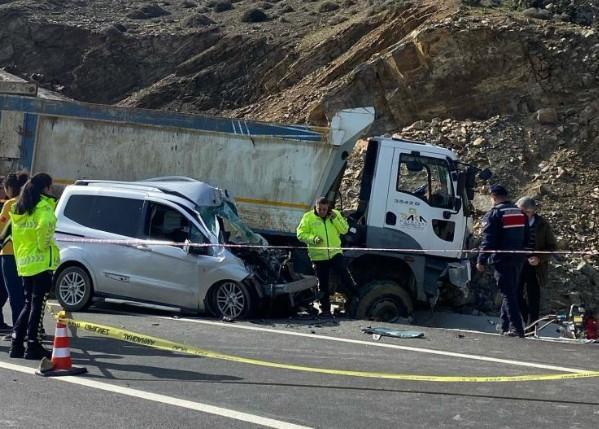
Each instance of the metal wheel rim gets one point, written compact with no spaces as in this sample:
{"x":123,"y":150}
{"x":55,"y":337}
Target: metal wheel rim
{"x":387,"y":308}
{"x":72,"y":288}
{"x":230,"y":300}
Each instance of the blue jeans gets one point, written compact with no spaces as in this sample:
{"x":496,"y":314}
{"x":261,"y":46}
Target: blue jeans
{"x":13,"y":285}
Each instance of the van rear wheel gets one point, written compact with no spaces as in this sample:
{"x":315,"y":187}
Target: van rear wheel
{"x":383,"y":301}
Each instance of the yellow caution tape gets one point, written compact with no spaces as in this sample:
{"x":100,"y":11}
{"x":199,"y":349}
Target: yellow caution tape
{"x":158,"y":343}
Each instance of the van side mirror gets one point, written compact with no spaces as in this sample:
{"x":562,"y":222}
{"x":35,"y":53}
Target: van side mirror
{"x":199,"y":250}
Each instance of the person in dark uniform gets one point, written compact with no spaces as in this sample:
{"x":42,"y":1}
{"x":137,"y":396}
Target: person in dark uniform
{"x":535,"y":272}
{"x":505,"y":228}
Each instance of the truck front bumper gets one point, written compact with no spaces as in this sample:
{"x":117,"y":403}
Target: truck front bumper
{"x":460,"y":274}
{"x":303,"y":284}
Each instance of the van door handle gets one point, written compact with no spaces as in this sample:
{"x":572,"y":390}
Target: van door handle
{"x":143,"y":247}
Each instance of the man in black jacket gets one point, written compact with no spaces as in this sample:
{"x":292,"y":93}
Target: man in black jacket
{"x":536,"y":268}
{"x":505,"y":229}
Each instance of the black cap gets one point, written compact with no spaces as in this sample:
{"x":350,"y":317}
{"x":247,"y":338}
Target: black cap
{"x":498,"y":190}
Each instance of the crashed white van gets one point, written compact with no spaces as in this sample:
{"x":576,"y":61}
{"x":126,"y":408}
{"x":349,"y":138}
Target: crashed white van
{"x":164,"y":219}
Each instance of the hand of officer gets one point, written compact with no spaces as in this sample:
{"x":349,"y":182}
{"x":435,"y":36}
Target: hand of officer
{"x":317,"y":240}
{"x":480,"y":268}
{"x":332,"y":215}
{"x":534,"y":261}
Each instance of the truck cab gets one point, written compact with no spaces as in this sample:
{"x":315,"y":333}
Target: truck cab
{"x":414,"y":199}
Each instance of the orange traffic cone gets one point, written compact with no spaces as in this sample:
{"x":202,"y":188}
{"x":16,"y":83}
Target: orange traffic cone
{"x":61,"y":356}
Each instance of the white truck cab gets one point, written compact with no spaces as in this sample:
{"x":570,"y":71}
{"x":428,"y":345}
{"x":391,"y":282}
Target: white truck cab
{"x":414,"y":199}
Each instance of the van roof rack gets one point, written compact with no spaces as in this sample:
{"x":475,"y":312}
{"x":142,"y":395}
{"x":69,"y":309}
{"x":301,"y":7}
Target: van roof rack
{"x":196,"y":192}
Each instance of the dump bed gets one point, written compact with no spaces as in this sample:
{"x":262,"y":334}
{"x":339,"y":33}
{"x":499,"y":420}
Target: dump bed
{"x":273,"y":171}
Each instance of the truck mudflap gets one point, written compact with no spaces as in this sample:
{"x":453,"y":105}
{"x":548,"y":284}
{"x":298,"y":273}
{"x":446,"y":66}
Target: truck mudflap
{"x":460,"y":274}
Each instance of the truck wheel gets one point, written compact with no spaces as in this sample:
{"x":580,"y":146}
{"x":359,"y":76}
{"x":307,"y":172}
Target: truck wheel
{"x":73,"y":288}
{"x":231,"y":300}
{"x":383,"y":301}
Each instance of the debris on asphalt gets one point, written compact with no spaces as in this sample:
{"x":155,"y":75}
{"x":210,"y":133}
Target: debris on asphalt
{"x":377,"y":333}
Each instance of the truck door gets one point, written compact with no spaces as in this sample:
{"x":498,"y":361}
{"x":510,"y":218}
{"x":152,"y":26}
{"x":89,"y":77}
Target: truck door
{"x":421,"y":202}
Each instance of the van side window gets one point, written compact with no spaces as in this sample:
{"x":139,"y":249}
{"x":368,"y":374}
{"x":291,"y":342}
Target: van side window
{"x":116,"y":215}
{"x":164,"y":223}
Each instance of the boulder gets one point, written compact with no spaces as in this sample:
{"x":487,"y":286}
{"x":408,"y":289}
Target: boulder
{"x":148,"y":11}
{"x":197,"y":21}
{"x":328,"y":6}
{"x":537,"y":13}
{"x":546,"y":116}
{"x":254,"y":15}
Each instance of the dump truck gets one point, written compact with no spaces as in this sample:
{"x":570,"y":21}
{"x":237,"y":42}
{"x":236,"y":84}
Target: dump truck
{"x":408,"y":233}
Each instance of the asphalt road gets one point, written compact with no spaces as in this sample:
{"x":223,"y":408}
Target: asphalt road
{"x":131,"y":386}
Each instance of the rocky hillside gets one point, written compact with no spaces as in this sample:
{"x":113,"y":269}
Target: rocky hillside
{"x":510,"y":84}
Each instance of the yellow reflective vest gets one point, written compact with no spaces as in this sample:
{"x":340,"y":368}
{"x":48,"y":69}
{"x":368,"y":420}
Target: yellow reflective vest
{"x":33,"y":239}
{"x":328,"y":230}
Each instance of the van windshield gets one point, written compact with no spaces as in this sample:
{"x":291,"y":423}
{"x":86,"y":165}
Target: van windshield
{"x":225,"y":223}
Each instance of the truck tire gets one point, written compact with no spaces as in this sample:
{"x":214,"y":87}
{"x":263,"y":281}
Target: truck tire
{"x":382,"y":301}
{"x":231,"y":300}
{"x":73,"y":288}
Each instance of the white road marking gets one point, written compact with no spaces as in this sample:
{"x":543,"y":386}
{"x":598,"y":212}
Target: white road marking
{"x":389,"y":346}
{"x":169,"y":400}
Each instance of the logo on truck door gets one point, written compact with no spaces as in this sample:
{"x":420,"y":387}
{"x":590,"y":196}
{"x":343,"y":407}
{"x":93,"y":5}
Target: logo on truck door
{"x":412,"y":220}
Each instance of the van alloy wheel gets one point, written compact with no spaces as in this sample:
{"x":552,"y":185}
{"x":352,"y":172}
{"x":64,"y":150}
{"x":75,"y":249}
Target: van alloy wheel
{"x":73,"y":288}
{"x":231,"y":300}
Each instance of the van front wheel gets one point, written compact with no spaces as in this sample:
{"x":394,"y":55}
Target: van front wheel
{"x":73,"y":288}
{"x":231,"y":300}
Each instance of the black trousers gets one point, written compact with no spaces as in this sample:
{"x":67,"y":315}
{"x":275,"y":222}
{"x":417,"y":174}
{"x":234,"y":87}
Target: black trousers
{"x":323,"y":270}
{"x":29,"y":322}
{"x":3,"y":299}
{"x":529,"y":283}
{"x":507,"y":275}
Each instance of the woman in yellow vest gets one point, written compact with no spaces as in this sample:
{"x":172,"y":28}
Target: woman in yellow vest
{"x":13,"y":284}
{"x":36,"y":254}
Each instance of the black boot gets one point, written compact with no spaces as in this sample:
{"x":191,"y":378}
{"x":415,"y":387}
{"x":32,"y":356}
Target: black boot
{"x":16,"y":349}
{"x":35,"y":351}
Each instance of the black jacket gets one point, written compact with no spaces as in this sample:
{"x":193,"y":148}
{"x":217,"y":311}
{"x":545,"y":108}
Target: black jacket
{"x":505,"y":227}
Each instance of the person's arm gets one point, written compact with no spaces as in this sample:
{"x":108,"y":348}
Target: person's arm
{"x":339,"y":222}
{"x":46,"y":224}
{"x":550,"y":244}
{"x":491,"y":228}
{"x":305,"y":233}
{"x":4,"y":220}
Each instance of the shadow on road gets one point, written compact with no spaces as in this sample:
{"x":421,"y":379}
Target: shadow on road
{"x":415,"y":392}
{"x":113,"y":349}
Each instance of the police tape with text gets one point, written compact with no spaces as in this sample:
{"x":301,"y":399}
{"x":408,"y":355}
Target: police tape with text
{"x":162,"y":344}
